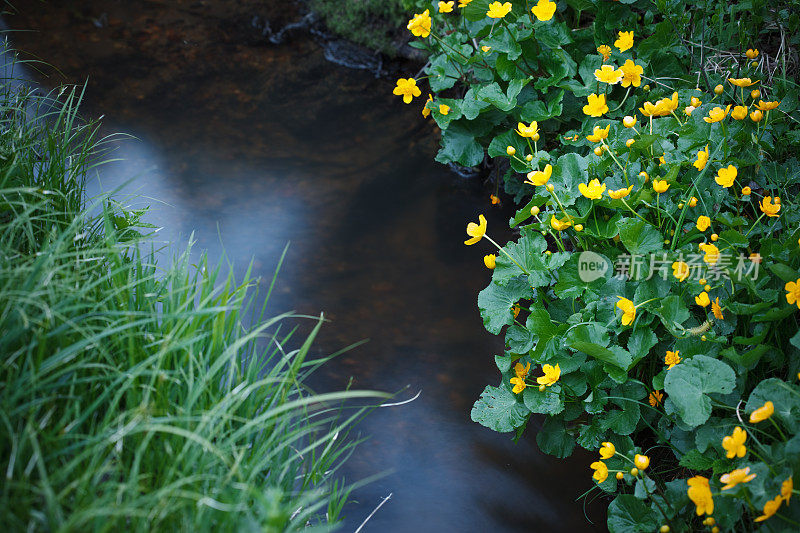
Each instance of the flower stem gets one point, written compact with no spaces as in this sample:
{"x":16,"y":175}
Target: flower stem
{"x":500,"y":248}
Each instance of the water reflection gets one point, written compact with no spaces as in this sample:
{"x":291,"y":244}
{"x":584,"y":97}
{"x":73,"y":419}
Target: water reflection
{"x":250,"y":146}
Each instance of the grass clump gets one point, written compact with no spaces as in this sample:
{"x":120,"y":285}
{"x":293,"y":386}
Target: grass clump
{"x":134,"y":397}
{"x":376,"y":24}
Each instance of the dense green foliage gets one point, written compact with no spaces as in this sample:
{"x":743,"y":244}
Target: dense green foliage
{"x":653,"y":286}
{"x":136,"y":397}
{"x":375,"y":24}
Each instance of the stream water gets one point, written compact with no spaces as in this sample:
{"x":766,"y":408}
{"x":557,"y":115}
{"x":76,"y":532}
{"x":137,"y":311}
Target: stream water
{"x":251,"y":145}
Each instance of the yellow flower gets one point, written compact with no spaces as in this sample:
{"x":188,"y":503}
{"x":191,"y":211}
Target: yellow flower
{"x":688,"y":110}
{"x":446,"y":7}
{"x":700,"y":494}
{"x":702,"y":159}
{"x":692,"y":201}
{"x":527,"y":131}
{"x":625,"y":41}
{"x":702,"y":299}
{"x":596,"y":105}
{"x":703,"y":222}
{"x":742,"y":82}
{"x":600,"y":471}
{"x":490,"y":261}
{"x":717,"y":114}
{"x":641,"y":461}
{"x":680,"y":270}
{"x":695,"y":101}
{"x":628,"y":310}
{"x":420,"y":24}
{"x":767,"y":106}
{"x":739,"y":112}
{"x":551,"y":375}
{"x":605,"y":51}
{"x":756,"y":115}
{"x":594,"y":190}
{"x":649,"y":109}
{"x":770,"y":508}
{"x":734,"y":443}
{"x":620,"y":193}
{"x":599,"y":134}
{"x":544,"y":10}
{"x":655,"y":398}
{"x":746,"y":191}
{"x":660,"y":186}
{"x":711,"y":253}
{"x":793,"y":292}
{"x":498,"y":10}
{"x":762,"y":413}
{"x":716,"y":309}
{"x":768,"y":208}
{"x":476,"y":231}
{"x":608,"y":74}
{"x":540,"y":177}
{"x":734,"y":477}
{"x":786,"y":489}
{"x":608,"y":450}
{"x":485,"y":48}
{"x":725,"y":176}
{"x":425,"y":111}
{"x":463,"y":3}
{"x":559,"y":225}
{"x":519,"y":380}
{"x":407,"y":88}
{"x":672,"y":358}
{"x":444,"y":109}
{"x":751,"y":53}
{"x":668,"y":105}
{"x":629,"y":121}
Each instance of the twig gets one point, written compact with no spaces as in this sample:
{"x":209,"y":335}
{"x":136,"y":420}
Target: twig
{"x":386,"y":499}
{"x":401,"y":403}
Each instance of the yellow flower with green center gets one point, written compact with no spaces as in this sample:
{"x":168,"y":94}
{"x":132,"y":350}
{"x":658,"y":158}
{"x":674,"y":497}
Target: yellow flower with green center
{"x":702,"y":159}
{"x":770,"y":508}
{"x":739,"y":112}
{"x":498,"y":10}
{"x":702,"y":299}
{"x":680,"y":270}
{"x":717,"y":309}
{"x":734,"y":477}
{"x":594,"y":190}
{"x":628,"y":310}
{"x":420,"y":24}
{"x":605,"y":51}
{"x":700,"y":493}
{"x":793,"y":291}
{"x":672,"y":358}
{"x":596,"y":105}
{"x":625,"y":41}
{"x":598,"y":134}
{"x":717,"y":114}
{"x":734,"y":443}
{"x":767,"y":106}
{"x":608,"y":74}
{"x":607,"y":450}
{"x":559,"y":225}
{"x":726,"y":176}
{"x":703,"y":222}
{"x":527,"y":131}
{"x":519,"y":380}
{"x":407,"y":88}
{"x":600,"y":471}
{"x":631,"y":73}
{"x":660,"y":186}
{"x":446,"y":7}
{"x":742,"y":82}
{"x":540,"y":177}
{"x":620,"y":193}
{"x":544,"y":10}
{"x":551,"y":375}
{"x":768,"y":208}
{"x":762,"y":413}
{"x":476,"y":231}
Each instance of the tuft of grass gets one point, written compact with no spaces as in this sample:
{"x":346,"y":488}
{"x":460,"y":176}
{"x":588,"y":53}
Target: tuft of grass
{"x":137,"y":397}
{"x":376,"y":24}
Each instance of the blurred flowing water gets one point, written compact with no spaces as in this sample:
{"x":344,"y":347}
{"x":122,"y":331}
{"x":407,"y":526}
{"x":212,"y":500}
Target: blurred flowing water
{"x":251,"y":145}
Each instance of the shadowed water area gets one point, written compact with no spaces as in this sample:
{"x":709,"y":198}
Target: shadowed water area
{"x":250,"y":145}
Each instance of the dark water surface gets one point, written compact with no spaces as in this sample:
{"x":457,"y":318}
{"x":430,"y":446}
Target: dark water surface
{"x":251,"y":145}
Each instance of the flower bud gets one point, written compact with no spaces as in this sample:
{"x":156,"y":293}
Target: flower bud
{"x":746,"y":191}
{"x":511,"y":150}
{"x":529,"y":157}
{"x":714,"y":237}
{"x":536,"y":137}
{"x":756,"y":115}
{"x":695,"y":101}
{"x":646,"y":88}
{"x":664,"y":529}
{"x":620,"y":475}
{"x":718,"y":89}
{"x":754,"y":64}
{"x":634,"y":472}
{"x":755,"y":93}
{"x":534,"y":210}
{"x":541,"y":388}
{"x":680,"y":205}
{"x":628,"y":121}
{"x":578,"y":227}
{"x":629,"y":142}
{"x":641,"y":461}
{"x":707,"y":288}
{"x":489,"y":261}
{"x":703,"y":281}
{"x":598,"y":150}
{"x":550,"y":187}
{"x":703,"y":338}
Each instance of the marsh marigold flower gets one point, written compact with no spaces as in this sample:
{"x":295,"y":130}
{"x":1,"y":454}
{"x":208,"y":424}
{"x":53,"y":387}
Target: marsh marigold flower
{"x":734,"y":443}
{"x":793,"y":292}
{"x":742,"y":82}
{"x":700,"y":494}
{"x":444,"y":109}
{"x":620,"y":193}
{"x":426,"y":112}
{"x":680,"y":270}
{"x":703,"y":222}
{"x":767,"y":106}
{"x":407,"y":88}
{"x":600,"y":471}
{"x":726,"y":176}
{"x":594,"y":190}
{"x":476,"y":231}
{"x":660,"y":185}
{"x":656,"y":398}
{"x":762,"y":413}
{"x":716,"y":309}
{"x":519,"y":380}
{"x":734,"y":477}
{"x":446,"y":7}
{"x":605,"y":51}
{"x":540,"y":177}
{"x":625,"y":41}
{"x":551,"y":375}
{"x":751,"y":53}
{"x":746,"y":191}
{"x":599,"y":134}
{"x":770,"y":508}
{"x":608,"y":74}
{"x":786,"y":489}
{"x":490,"y":261}
{"x":641,"y":461}
{"x":596,"y":106}
{"x":756,"y":115}
{"x":717,"y":114}
{"x":629,"y":121}
{"x":711,"y":253}
{"x":527,"y":131}
{"x":544,"y":10}
{"x":739,"y":112}
{"x":607,"y":450}
{"x":420,"y":24}
{"x":559,"y":225}
{"x":463,"y":3}
{"x":628,"y":310}
{"x":498,"y":10}
{"x":692,"y":201}
{"x":702,"y":159}
{"x":672,"y":358}
{"x":768,"y":208}
{"x":702,"y":299}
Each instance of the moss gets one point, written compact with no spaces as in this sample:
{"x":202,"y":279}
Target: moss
{"x":376,"y":24}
